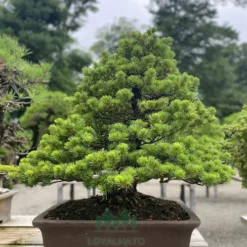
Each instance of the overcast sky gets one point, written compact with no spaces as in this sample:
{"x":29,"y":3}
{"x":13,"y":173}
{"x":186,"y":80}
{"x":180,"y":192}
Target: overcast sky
{"x":136,"y":9}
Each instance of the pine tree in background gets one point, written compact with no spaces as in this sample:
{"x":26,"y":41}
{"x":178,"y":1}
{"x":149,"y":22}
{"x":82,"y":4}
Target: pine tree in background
{"x":220,"y":84}
{"x":192,"y":25}
{"x":45,"y":28}
{"x":67,"y":71}
{"x":108,"y":36}
{"x":203,"y":48}
{"x":45,"y":108}
{"x":134,"y":119}
{"x":241,"y":62}
{"x":17,"y":84}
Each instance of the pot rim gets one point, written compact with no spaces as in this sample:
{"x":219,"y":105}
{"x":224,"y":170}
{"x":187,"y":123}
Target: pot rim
{"x":39,"y":221}
{"x":8,"y":194}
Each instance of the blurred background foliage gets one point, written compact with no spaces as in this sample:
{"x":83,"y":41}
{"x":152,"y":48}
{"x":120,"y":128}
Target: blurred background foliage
{"x":45,"y":28}
{"x":45,"y":108}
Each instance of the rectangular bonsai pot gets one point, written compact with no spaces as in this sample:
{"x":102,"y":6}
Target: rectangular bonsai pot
{"x":79,"y":233}
{"x":5,"y":205}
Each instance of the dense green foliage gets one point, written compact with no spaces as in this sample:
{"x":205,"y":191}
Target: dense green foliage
{"x":45,"y":27}
{"x":11,"y":55}
{"x":45,"y":108}
{"x":133,"y":120}
{"x":236,"y":133}
{"x":203,"y":48}
{"x":17,"y":84}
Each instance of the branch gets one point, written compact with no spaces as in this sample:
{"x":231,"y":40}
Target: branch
{"x":193,"y":181}
{"x":164,"y":181}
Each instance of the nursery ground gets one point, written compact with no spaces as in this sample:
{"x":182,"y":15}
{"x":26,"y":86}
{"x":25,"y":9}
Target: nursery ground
{"x":221,"y":226}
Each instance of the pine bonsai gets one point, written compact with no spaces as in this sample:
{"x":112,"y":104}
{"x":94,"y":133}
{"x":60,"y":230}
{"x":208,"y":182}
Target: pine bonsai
{"x":236,"y":144}
{"x":133,"y":120}
{"x":17,"y":83}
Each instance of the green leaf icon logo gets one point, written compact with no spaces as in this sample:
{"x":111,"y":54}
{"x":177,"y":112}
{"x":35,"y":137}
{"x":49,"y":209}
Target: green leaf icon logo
{"x":107,"y":218}
{"x":124,"y":219}
{"x":133,"y":223}
{"x":99,"y":222}
{"x":116,"y":222}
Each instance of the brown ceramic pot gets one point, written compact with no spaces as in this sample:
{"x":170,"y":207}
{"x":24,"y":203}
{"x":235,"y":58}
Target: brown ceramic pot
{"x":72,"y":233}
{"x":5,"y":205}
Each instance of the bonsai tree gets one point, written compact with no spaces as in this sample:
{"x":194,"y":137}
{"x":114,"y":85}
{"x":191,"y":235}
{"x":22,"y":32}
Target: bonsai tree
{"x":133,"y":120}
{"x":17,"y":84}
{"x":236,"y":144}
{"x":45,"y":108}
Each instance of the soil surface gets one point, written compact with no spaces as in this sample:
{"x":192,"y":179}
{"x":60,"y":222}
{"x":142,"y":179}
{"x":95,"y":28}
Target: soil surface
{"x":137,"y":205}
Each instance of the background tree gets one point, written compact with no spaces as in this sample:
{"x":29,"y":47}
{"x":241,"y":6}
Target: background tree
{"x":108,"y":36}
{"x":45,"y":28}
{"x":241,"y":63}
{"x":192,"y":25}
{"x":67,"y":71}
{"x":220,"y":84}
{"x":45,"y":108}
{"x":202,"y":48}
{"x":133,"y":120}
{"x":17,"y":83}
{"x":236,"y":133}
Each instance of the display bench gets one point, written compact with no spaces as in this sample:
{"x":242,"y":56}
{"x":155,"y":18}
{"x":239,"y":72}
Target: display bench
{"x":20,"y":232}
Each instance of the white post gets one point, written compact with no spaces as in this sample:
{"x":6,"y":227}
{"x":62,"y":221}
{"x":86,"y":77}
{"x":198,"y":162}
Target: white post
{"x":88,"y":193}
{"x":215,"y":191}
{"x":72,"y":192}
{"x":59,"y":192}
{"x":192,"y":198}
{"x":207,"y":192}
{"x":94,"y":191}
{"x":163,"y":190}
{"x":1,"y":180}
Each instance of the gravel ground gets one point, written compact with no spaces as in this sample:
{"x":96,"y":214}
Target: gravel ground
{"x":221,"y":225}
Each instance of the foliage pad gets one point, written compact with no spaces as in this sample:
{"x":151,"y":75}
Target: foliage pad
{"x":134,"y":119}
{"x":18,"y":80}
